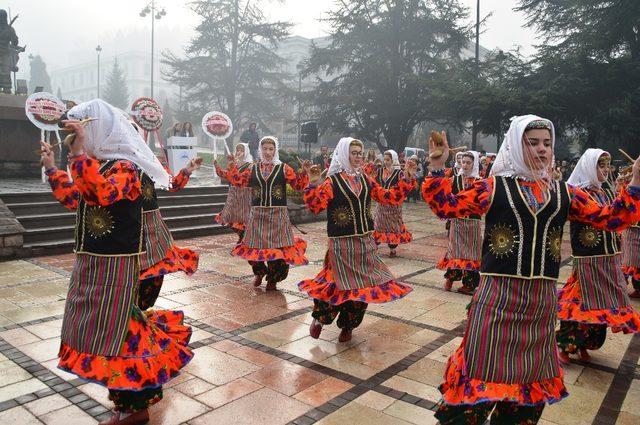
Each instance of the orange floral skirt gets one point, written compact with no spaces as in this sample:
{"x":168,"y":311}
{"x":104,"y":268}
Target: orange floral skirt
{"x":458,"y":264}
{"x":624,"y":319}
{"x":324,"y":288}
{"x":460,"y":389}
{"x":237,"y":226}
{"x":177,"y":259}
{"x":631,"y":272}
{"x":154,"y":351}
{"x":294,"y":255}
{"x":393,"y":238}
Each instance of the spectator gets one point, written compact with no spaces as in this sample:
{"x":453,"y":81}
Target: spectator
{"x":250,"y":136}
{"x":187,"y":129}
{"x":323,"y":159}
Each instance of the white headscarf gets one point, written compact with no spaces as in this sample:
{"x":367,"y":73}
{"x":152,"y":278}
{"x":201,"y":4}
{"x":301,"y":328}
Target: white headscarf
{"x":586,"y":172}
{"x":111,"y":136}
{"x":475,"y":171}
{"x":394,"y":158}
{"x":276,"y":155}
{"x":456,"y":165}
{"x":247,"y":153}
{"x":510,"y":160}
{"x":340,"y":159}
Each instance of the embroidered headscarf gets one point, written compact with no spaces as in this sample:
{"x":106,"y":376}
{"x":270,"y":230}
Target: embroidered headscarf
{"x":586,"y":172}
{"x":111,"y":136}
{"x":510,"y":160}
{"x":276,"y":155}
{"x":395,"y":163}
{"x":340,"y":159}
{"x":247,"y":153}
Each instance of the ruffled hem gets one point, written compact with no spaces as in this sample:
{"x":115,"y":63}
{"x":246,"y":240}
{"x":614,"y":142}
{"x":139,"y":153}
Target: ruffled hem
{"x":631,"y":272}
{"x":393,"y":238}
{"x":237,"y":226}
{"x":153,"y":353}
{"x":624,"y":319}
{"x":294,"y":255}
{"x":460,"y":389}
{"x":324,"y":288}
{"x":177,"y":259}
{"x":458,"y":264}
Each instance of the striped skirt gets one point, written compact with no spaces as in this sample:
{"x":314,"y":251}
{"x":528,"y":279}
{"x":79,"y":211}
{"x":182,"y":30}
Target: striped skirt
{"x":157,"y":237}
{"x":268,"y":228}
{"x":465,"y":240}
{"x":510,"y":334}
{"x":353,"y":271}
{"x":388,"y":219}
{"x":602,"y":284}
{"x":237,"y":207}
{"x":631,"y":247}
{"x":355,"y":263}
{"x":102,"y":293}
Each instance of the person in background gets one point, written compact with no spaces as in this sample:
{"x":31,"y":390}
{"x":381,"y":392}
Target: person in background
{"x":323,"y":159}
{"x":251,"y":137}
{"x":187,"y":129}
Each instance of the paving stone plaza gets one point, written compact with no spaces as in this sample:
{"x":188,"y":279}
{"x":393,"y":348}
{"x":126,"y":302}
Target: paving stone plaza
{"x":255,"y":362}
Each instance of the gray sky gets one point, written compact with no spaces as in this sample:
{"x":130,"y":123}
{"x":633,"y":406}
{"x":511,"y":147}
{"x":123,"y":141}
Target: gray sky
{"x":60,"y":29}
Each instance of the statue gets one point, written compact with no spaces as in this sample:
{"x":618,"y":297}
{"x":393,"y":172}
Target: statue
{"x":9,"y":51}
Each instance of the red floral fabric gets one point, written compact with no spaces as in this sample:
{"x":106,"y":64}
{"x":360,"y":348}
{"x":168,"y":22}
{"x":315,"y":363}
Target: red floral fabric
{"x":119,"y":182}
{"x":393,"y":238}
{"x":624,"y":319}
{"x":317,"y":198}
{"x":154,"y":351}
{"x":241,"y":178}
{"x":290,"y":254}
{"x":461,"y":389}
{"x":621,"y":213}
{"x":177,"y":259}
{"x":324,"y":288}
{"x":457,"y":264}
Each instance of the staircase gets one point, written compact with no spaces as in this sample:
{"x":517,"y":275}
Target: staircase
{"x":49,"y":226}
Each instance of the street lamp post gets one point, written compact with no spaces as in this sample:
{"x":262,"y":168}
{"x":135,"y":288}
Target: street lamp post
{"x":156,"y":13}
{"x":299,"y":67}
{"x":474,"y":130}
{"x":98,"y":50}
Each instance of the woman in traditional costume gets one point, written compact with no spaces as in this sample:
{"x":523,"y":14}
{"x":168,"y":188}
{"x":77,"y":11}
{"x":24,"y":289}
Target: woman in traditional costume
{"x":507,"y":360}
{"x":387,"y":222}
{"x":235,"y":213}
{"x":353,"y":274}
{"x":595,"y":295}
{"x":106,"y":338}
{"x":462,"y":259}
{"x":268,"y":243}
{"x":160,"y":256}
{"x":630,"y":247}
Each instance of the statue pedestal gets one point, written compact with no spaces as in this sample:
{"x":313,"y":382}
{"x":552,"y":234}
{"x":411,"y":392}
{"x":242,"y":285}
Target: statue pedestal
{"x":18,"y":139}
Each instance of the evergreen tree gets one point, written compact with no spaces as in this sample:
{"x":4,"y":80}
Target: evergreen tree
{"x":38,"y":74}
{"x":231,"y":64}
{"x":116,"y":91}
{"x":386,"y":65}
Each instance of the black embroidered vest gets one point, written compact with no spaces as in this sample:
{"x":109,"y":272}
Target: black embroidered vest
{"x":269,"y":192}
{"x":457,"y":187}
{"x":521,"y":243}
{"x":149,"y":195}
{"x":587,"y":241}
{"x":112,"y":230}
{"x":391,"y":181}
{"x":349,"y":214}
